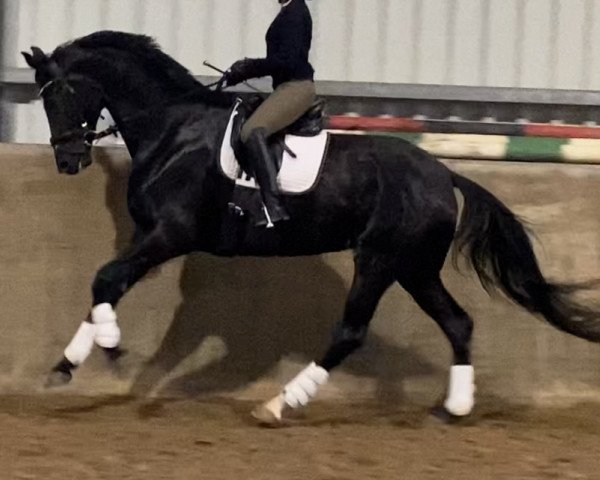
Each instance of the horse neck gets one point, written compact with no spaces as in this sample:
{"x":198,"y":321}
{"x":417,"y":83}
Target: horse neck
{"x":144,"y":114}
{"x":135,"y":111}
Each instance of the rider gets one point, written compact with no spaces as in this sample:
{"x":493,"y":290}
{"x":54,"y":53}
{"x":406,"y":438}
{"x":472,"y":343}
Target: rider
{"x":288,"y":43}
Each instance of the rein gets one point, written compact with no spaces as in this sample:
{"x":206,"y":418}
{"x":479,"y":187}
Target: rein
{"x":89,"y":136}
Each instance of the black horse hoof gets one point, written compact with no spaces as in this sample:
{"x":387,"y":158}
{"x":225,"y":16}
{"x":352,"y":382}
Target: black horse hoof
{"x":61,"y":374}
{"x":444,"y":416}
{"x":58,"y":378}
{"x":118,"y":363}
{"x":114,"y":354}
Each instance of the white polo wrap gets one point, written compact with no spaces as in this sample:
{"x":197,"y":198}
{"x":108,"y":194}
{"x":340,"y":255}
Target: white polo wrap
{"x":461,"y":390}
{"x":81,"y":344}
{"x":108,"y":333}
{"x":305,"y":385}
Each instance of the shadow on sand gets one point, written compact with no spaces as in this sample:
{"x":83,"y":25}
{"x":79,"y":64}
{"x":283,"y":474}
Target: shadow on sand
{"x":261,"y":309}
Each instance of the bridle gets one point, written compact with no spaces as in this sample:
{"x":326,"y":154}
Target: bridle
{"x":84,"y":132}
{"x":87,"y":134}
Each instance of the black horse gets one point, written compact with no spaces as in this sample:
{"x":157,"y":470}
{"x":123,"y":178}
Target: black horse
{"x":390,"y":202}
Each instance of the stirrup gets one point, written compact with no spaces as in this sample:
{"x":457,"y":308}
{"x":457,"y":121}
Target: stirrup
{"x":266,"y":220}
{"x":271,"y":219}
{"x":270,"y":223}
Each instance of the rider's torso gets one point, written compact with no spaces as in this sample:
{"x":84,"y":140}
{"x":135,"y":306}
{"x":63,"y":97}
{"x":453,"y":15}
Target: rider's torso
{"x":289,"y":40}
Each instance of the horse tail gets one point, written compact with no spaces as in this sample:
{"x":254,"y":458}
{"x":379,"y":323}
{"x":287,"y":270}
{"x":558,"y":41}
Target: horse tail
{"x":500,"y":251}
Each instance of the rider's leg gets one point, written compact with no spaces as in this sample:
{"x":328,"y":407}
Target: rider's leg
{"x":265,"y":173}
{"x":283,"y":107}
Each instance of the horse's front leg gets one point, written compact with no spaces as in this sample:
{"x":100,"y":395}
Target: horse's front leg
{"x":110,"y":284}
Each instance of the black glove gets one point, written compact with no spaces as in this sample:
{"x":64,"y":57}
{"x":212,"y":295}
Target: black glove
{"x":238,"y":72}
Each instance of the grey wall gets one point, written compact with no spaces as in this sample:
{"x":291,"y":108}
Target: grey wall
{"x":494,"y":44}
{"x":502,"y":43}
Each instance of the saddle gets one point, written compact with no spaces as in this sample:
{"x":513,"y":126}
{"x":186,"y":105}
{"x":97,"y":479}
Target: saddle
{"x":297,"y":172}
{"x":308,"y":125}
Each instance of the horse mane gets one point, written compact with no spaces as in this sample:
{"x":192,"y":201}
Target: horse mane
{"x":148,"y":52}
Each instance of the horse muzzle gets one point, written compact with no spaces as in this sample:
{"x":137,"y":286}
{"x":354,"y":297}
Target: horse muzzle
{"x":72,"y":160}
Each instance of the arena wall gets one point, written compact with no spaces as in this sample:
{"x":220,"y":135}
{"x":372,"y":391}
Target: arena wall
{"x":242,"y":326}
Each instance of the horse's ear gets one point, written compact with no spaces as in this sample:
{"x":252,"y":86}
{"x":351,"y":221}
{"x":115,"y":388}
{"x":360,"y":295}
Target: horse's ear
{"x":39,"y":55}
{"x":29,"y":59}
{"x":37,"y":59}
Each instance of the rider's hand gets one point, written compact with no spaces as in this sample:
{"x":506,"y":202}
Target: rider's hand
{"x":237,"y":73}
{"x":222,"y":83}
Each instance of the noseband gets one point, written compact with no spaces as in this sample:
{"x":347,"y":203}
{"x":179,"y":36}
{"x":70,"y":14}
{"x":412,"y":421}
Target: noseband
{"x":88,"y":135}
{"x":83,"y":133}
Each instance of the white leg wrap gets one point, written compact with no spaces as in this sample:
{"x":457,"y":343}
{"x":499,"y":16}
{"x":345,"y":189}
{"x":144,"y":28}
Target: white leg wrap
{"x":81,"y":345}
{"x":108,"y":334}
{"x":304,"y":387}
{"x":461,"y":390}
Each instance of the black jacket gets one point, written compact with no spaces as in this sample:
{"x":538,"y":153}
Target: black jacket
{"x":288,"y":44}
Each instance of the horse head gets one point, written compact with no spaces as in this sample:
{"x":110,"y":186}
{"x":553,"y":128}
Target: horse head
{"x":72,"y":104}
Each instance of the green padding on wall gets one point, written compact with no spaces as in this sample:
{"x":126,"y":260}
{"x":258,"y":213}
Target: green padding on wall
{"x":535,"y":148}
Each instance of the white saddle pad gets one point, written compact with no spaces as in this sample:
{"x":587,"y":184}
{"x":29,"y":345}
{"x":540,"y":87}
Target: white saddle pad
{"x":297,"y":175}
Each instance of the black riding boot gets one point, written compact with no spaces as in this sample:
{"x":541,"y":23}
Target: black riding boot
{"x":263,"y":164}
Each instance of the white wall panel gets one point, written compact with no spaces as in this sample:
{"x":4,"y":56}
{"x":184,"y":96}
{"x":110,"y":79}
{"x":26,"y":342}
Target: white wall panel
{"x":331,"y":52}
{"x":364,"y":55}
{"x":85,"y":16}
{"x":570,"y":31}
{"x":537,"y":53}
{"x":432,"y":45}
{"x":495,"y":43}
{"x":504,"y":43}
{"x":467,"y":43}
{"x":592,"y":46}
{"x":399,"y":51}
{"x":502,"y":40}
{"x":119,"y":14}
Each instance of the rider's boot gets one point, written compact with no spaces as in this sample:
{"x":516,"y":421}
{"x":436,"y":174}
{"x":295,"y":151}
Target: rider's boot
{"x":263,"y":164}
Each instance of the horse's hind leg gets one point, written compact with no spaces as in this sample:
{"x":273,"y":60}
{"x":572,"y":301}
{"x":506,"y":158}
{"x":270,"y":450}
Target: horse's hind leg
{"x":110,"y":284}
{"x":434,"y":299}
{"x":373,"y":275}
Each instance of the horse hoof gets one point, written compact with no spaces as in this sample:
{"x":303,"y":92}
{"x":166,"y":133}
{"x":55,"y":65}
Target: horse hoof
{"x":113,"y":354}
{"x":120,"y":362}
{"x":270,"y":414}
{"x":58,"y":378}
{"x":444,"y":416}
{"x":266,"y":418}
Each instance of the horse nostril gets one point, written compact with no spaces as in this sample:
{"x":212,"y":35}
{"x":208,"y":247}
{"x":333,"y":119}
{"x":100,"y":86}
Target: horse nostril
{"x":63,"y":165}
